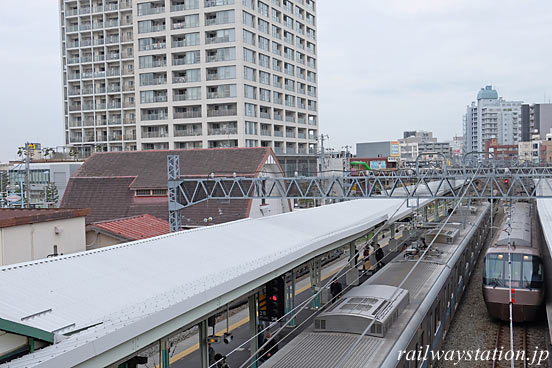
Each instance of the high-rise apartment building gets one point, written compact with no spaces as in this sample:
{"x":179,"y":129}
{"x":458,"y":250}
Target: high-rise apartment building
{"x":171,"y":74}
{"x":489,"y":118}
{"x":535,"y":119}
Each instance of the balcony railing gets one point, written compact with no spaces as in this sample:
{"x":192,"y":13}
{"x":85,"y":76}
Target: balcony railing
{"x":278,"y":133}
{"x":290,"y":119}
{"x":225,"y":112}
{"x":188,"y":5}
{"x":114,"y":121}
{"x":148,"y":117}
{"x":110,"y":7}
{"x":149,"y":11}
{"x":155,"y":134}
{"x":301,"y":135}
{"x":114,"y":105}
{"x":74,"y":107}
{"x":290,"y":134}
{"x":97,"y":25}
{"x":187,"y":114}
{"x":153,"y":46}
{"x":265,"y":115}
{"x":210,"y":40}
{"x":278,"y":117}
{"x":129,"y":121}
{"x":156,"y":81}
{"x":130,"y":137}
{"x":222,"y":131}
{"x":187,"y":132}
{"x":155,"y":99}
{"x":265,"y":132}
{"x":210,"y":3}
{"x":278,"y":150}
{"x":84,"y":10}
{"x":75,"y":124}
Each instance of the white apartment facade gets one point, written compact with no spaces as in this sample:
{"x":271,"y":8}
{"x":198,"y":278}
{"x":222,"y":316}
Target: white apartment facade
{"x":491,"y":117}
{"x":171,"y":74}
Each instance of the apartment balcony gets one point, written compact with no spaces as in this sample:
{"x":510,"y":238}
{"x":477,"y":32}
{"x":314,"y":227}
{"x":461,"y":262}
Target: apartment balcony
{"x":85,"y":27}
{"x":114,"y":121}
{"x":75,"y":124}
{"x":74,"y":107}
{"x":99,"y":42}
{"x":301,"y":135}
{"x":130,"y":136}
{"x":128,"y":104}
{"x":150,"y":117}
{"x":71,"y":12}
{"x":187,"y":132}
{"x":222,"y":131}
{"x":156,"y":99}
{"x":217,"y":58}
{"x":154,"y":46}
{"x":158,"y":81}
{"x":278,"y":133}
{"x":211,"y":3}
{"x":212,"y":40}
{"x":88,"y":107}
{"x":278,"y":150}
{"x":265,"y":132}
{"x":75,"y":139}
{"x":302,"y":106}
{"x":101,"y":106}
{"x":187,"y":114}
{"x":114,"y":105}
{"x":72,"y":28}
{"x":188,"y":5}
{"x":88,"y":123}
{"x":150,"y":11}
{"x":88,"y":138}
{"x":113,"y":73}
{"x":220,"y":94}
{"x":74,"y":44}
{"x":112,"y":23}
{"x":112,"y":89}
{"x":73,"y":93}
{"x":278,"y":117}
{"x":155,"y":134}
{"x":184,"y":61}
{"x":128,"y":88}
{"x":215,"y":21}
{"x":115,"y":137}
{"x":129,"y":121}
{"x":97,"y":9}
{"x":301,"y":120}
{"x":100,"y":90}
{"x":111,"y":40}
{"x":225,"y":112}
{"x":98,"y":25}
{"x":290,"y":119}
{"x":185,"y":97}
{"x":290,"y":134}
{"x":265,"y":115}
{"x":84,"y":10}
{"x":302,"y":151}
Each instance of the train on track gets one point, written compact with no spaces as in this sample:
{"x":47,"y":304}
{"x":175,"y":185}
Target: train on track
{"x":515,"y":242}
{"x":401,"y":319}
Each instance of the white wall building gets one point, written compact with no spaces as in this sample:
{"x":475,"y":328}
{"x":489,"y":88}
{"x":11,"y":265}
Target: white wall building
{"x":491,"y":117}
{"x":171,"y":74}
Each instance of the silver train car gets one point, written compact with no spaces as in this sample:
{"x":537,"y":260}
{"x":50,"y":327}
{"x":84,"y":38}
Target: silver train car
{"x":527,"y":270}
{"x":406,"y":319}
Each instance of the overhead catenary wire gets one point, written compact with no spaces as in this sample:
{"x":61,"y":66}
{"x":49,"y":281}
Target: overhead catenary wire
{"x":394,"y":296}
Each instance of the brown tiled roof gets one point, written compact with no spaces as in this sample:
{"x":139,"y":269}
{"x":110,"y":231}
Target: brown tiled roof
{"x":106,"y":183}
{"x":23,"y":216}
{"x":133,"y":228}
{"x":150,"y":167}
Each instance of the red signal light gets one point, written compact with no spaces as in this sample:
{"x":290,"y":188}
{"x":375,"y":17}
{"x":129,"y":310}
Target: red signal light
{"x":274,"y":298}
{"x":506,"y":181}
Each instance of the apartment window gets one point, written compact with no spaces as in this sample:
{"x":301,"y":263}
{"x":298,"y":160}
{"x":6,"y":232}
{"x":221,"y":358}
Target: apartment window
{"x":276,"y":32}
{"x":251,"y":143}
{"x":276,"y":65}
{"x":222,"y":72}
{"x":248,"y":37}
{"x":250,"y":128}
{"x":249,"y":73}
{"x":189,"y":39}
{"x":186,"y":76}
{"x":264,"y":95}
{"x":288,"y":22}
{"x":248,"y":19}
{"x":250,"y":92}
{"x":263,"y":43}
{"x":146,"y":26}
{"x":277,"y":99}
{"x":288,"y":53}
{"x":224,"y":91}
{"x":264,"y":61}
{"x":220,"y":17}
{"x":248,"y":3}
{"x":288,"y":37}
{"x":187,"y":94}
{"x":289,"y":69}
{"x":188,"y":21}
{"x":277,"y":81}
{"x":222,"y":54}
{"x":190,"y":57}
{"x":300,"y":42}
{"x":290,"y":101}
{"x":263,"y":26}
{"x":276,"y":48}
{"x":249,"y":55}
{"x":250,"y":110}
{"x":219,"y":36}
{"x":264,"y":78}
{"x":276,"y":15}
{"x":262,"y":8}
{"x":290,"y":85}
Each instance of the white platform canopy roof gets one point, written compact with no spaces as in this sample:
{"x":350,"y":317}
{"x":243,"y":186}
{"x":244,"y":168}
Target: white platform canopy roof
{"x":122,"y":298}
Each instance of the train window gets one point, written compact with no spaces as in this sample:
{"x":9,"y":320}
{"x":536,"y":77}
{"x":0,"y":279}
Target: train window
{"x":526,"y":271}
{"x":532,"y":272}
{"x":437,"y":323}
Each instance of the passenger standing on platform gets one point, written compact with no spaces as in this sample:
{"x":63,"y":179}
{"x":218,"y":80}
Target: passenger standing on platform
{"x":366,"y":258}
{"x":212,"y":355}
{"x":379,"y":257}
{"x":270,"y":349}
{"x":335,"y":290}
{"x":221,"y":361}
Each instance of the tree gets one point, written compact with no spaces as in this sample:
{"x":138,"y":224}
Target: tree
{"x":48,"y":152}
{"x":73,"y":152}
{"x":52,"y":195}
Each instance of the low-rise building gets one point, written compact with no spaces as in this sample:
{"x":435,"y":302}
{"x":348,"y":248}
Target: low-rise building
{"x":30,"y":234}
{"x":501,"y":151}
{"x":416,"y":143}
{"x":116,"y":185}
{"x":106,"y":233}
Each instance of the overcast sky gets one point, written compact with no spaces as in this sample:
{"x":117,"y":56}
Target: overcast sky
{"x":385,"y":66}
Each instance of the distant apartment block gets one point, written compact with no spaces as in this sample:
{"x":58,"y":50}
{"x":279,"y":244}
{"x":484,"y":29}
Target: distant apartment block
{"x":172,"y":74}
{"x":416,"y":143}
{"x":490,"y":118}
{"x":535,"y":119}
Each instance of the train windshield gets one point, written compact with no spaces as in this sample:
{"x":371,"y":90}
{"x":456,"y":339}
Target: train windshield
{"x":526,"y":271}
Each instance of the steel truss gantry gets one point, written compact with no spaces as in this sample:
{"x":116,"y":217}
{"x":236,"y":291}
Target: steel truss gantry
{"x":482,"y":182}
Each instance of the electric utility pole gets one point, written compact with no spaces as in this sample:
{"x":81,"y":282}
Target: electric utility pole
{"x":27,"y":175}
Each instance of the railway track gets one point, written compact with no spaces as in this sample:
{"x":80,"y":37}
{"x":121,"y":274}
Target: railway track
{"x":524,"y":346}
